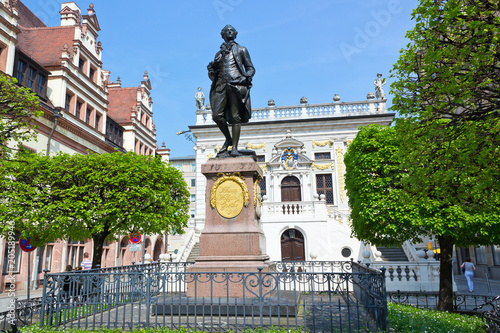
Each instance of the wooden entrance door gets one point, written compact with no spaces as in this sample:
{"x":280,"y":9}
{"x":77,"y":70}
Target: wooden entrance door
{"x":290,"y":189}
{"x":292,"y":245}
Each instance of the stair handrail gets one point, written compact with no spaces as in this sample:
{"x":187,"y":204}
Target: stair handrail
{"x":410,"y":251}
{"x":187,"y":246}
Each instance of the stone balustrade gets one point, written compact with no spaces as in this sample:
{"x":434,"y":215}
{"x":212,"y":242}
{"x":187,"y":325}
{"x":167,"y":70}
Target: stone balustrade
{"x":299,"y":210}
{"x":410,"y":275}
{"x":306,"y":111}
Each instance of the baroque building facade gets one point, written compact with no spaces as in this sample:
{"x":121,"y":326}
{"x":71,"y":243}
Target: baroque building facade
{"x":84,"y":112}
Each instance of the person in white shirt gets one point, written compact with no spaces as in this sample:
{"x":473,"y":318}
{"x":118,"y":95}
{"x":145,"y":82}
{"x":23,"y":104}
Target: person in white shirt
{"x":86,"y":263}
{"x":469,"y":269}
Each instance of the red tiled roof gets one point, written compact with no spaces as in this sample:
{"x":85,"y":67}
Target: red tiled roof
{"x":45,"y":44}
{"x":26,"y":17}
{"x":121,"y":101}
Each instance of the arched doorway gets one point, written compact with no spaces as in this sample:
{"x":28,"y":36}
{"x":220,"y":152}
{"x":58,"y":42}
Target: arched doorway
{"x":157,"y":249}
{"x":292,"y":245}
{"x":290,"y":189}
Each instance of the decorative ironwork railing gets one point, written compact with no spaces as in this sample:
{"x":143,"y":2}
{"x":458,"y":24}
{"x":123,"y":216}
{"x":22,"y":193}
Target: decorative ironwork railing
{"x":315,"y":296}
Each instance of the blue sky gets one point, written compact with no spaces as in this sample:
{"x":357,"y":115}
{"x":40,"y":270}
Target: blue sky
{"x":299,"y":48}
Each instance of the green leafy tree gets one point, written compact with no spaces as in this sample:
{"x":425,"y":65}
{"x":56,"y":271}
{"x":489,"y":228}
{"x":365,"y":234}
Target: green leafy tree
{"x":451,"y":67}
{"x":18,"y":106}
{"x":397,"y":195}
{"x":446,"y":86}
{"x":97,"y":196}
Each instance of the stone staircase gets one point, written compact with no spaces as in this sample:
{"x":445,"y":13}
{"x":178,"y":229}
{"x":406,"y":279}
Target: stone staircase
{"x":392,"y":253}
{"x":195,"y":252}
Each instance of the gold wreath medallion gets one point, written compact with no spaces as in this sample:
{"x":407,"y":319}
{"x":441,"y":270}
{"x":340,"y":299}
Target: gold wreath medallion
{"x":229,"y":194}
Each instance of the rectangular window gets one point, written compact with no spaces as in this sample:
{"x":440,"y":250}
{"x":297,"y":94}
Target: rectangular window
{"x":40,"y":258}
{"x":261,"y":158}
{"x":263,"y":186}
{"x":97,"y":121}
{"x":480,"y":255}
{"x":42,"y":79}
{"x":178,"y":166}
{"x":322,"y":156}
{"x":193,"y":197}
{"x":192,"y":213}
{"x":88,"y":115}
{"x":324,"y":186}
{"x":193,"y":182}
{"x":92,"y":74}
{"x":193,"y":167}
{"x":21,"y":68}
{"x":78,"y":109}
{"x":67,"y":103}
{"x":17,"y":257}
{"x":31,"y":77}
{"x":495,"y":250}
{"x":48,"y":257}
{"x":81,"y":64}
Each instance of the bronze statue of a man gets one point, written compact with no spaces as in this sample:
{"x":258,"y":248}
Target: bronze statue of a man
{"x":231,"y":73}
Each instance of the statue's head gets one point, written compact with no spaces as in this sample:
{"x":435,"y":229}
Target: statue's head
{"x":199,"y":88}
{"x":228,"y":33}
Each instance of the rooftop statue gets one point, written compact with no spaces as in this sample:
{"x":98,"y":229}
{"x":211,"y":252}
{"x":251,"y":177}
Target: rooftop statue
{"x":231,"y":73}
{"x":200,"y":99}
{"x":379,"y":87}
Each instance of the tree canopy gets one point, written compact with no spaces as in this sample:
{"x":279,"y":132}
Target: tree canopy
{"x":396,"y":195}
{"x":451,"y":66}
{"x":98,"y":196}
{"x":446,"y":86}
{"x":17,"y":107}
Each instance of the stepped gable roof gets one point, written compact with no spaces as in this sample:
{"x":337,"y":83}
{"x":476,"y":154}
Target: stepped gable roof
{"x":121,"y":101}
{"x":26,"y":17}
{"x":45,"y":45}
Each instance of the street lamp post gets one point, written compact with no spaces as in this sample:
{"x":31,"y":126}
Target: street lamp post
{"x":57,"y":114}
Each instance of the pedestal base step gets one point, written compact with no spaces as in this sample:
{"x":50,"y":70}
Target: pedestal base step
{"x":286,"y":305}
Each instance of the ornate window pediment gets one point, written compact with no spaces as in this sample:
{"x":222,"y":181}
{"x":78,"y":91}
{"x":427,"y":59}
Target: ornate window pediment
{"x":289,"y":154}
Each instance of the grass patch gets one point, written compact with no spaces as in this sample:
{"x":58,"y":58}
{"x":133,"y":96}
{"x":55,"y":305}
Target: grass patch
{"x":405,"y":318}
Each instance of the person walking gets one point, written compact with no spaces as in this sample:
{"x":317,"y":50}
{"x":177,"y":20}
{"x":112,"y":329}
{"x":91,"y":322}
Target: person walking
{"x":469,"y":268}
{"x":86,"y":263}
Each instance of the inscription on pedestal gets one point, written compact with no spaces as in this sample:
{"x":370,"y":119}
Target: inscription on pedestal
{"x":229,"y":200}
{"x":229,"y":194}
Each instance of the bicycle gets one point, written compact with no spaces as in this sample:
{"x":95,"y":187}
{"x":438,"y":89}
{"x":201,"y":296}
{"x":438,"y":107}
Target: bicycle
{"x":491,"y":318}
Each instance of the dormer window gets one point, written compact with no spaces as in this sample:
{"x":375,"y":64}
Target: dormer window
{"x":40,"y":87}
{"x":31,"y":76}
{"x":21,"y":68}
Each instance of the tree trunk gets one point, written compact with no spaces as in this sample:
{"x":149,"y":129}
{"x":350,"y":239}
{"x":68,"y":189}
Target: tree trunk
{"x":446,"y":274}
{"x":99,"y":239}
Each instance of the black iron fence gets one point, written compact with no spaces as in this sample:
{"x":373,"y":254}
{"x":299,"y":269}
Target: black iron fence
{"x":312,"y":296}
{"x":429,"y":300}
{"x":21,"y":313}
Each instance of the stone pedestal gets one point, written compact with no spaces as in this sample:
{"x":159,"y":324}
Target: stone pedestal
{"x":232,"y":240}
